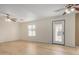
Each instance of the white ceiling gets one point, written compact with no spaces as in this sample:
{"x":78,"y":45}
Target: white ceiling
{"x":30,"y":12}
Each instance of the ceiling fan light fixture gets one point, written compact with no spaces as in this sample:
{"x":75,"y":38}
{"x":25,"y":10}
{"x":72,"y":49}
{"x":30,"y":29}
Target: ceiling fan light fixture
{"x":72,"y":9}
{"x":7,"y":20}
{"x":67,"y":11}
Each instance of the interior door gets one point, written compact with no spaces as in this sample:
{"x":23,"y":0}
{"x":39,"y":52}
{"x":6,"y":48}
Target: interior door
{"x":58,"y":32}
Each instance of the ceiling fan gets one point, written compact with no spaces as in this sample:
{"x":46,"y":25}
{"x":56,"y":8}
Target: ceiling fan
{"x":69,"y":8}
{"x":8,"y":18}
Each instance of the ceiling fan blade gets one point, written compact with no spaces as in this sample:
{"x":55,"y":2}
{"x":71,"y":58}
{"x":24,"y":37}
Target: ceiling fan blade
{"x":64,"y":13}
{"x":4,"y":13}
{"x":13,"y":19}
{"x":59,"y":10}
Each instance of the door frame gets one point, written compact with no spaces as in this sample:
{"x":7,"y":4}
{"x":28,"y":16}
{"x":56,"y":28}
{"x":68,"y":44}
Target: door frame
{"x":64,"y":32}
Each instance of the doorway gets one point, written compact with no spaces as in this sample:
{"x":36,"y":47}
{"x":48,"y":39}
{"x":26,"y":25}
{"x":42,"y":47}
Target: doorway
{"x":58,"y":32}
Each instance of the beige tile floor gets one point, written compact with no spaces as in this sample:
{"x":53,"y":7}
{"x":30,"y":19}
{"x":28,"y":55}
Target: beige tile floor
{"x":32,"y":48}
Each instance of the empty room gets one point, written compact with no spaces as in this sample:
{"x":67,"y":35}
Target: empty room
{"x":39,"y":29}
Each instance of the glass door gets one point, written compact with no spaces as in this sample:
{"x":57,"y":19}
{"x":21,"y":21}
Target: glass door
{"x":58,"y":32}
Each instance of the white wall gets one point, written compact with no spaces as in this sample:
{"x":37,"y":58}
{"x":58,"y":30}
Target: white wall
{"x":70,"y":30}
{"x":8,"y":30}
{"x":44,"y":30}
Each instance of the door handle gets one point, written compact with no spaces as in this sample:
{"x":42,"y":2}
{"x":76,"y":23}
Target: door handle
{"x":63,"y":33}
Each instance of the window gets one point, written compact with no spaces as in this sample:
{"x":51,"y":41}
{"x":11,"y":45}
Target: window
{"x":31,"y":30}
{"x":58,"y":33}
